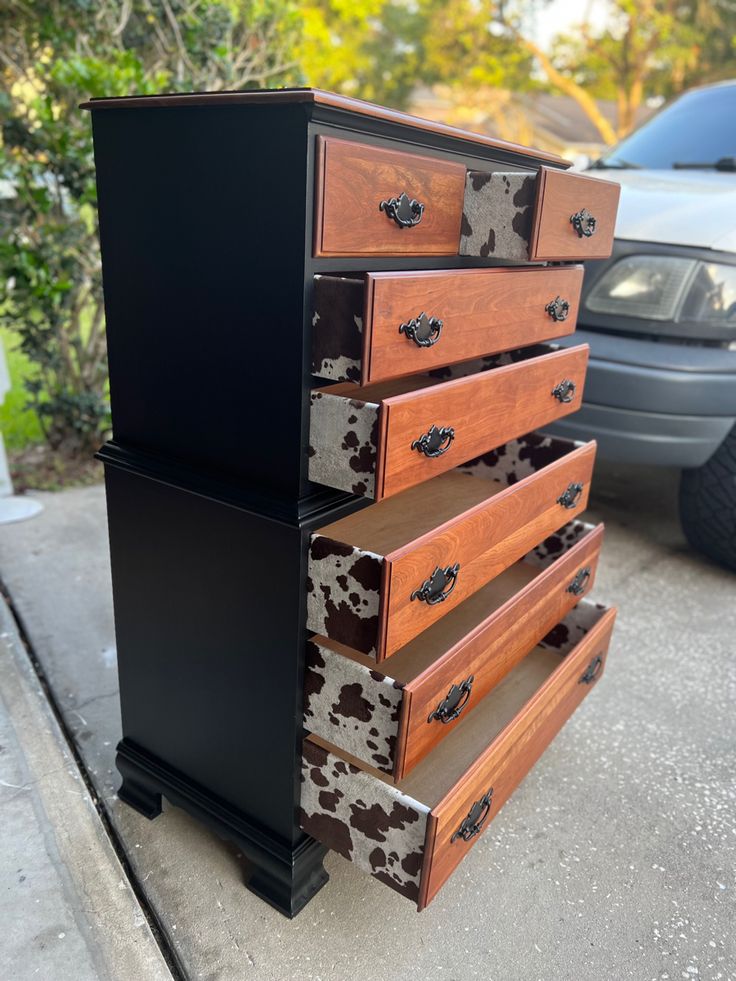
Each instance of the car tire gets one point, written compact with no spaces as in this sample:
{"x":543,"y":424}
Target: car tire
{"x":708,"y":504}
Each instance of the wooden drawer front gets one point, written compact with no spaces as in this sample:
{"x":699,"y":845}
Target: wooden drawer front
{"x":367,"y":573}
{"x":412,"y":835}
{"x":539,"y":217}
{"x":357,"y":185}
{"x":384,"y":325}
{"x":368,"y":440}
{"x":392,"y":720}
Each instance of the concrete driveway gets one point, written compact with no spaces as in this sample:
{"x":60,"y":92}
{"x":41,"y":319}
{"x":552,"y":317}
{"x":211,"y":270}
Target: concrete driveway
{"x":615,"y":858}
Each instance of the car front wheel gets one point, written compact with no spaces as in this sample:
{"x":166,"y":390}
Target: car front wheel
{"x":708,"y":504}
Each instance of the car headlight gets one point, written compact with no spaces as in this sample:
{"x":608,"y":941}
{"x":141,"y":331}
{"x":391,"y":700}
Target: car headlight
{"x":711,"y":297}
{"x":648,"y":286}
{"x":671,"y":288}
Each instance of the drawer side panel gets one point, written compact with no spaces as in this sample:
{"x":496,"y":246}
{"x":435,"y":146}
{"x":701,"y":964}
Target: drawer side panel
{"x":337,"y":328}
{"x":497,"y":215}
{"x":343,"y":443}
{"x":366,"y":820}
{"x":343,"y":593}
{"x":351,"y":706}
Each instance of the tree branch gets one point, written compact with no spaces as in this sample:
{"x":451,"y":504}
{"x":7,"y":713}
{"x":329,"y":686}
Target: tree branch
{"x":567,"y":85}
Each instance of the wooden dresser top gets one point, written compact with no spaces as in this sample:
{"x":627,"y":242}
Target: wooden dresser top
{"x":315,"y":97}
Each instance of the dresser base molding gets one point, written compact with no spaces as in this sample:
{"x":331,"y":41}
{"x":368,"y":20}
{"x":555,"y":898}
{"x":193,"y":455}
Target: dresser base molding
{"x":284,"y":877}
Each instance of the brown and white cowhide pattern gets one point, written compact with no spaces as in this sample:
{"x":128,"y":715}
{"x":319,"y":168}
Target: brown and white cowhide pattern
{"x":352,"y":706}
{"x":343,"y":441}
{"x":497,"y":215}
{"x":337,"y":328}
{"x":364,"y":819}
{"x":573,"y":628}
{"x":343,"y":591}
{"x":519,"y":458}
{"x":555,"y":545}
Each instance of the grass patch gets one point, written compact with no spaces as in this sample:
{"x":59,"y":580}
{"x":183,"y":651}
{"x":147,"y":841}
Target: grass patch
{"x":19,"y":425}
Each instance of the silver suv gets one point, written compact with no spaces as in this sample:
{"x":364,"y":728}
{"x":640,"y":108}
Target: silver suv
{"x":660,"y":314}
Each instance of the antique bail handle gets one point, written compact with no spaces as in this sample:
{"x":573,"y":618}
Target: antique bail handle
{"x":453,"y":703}
{"x":434,"y":590}
{"x":584,"y":223}
{"x":577,"y":586}
{"x":592,"y":671}
{"x":570,"y":497}
{"x":473,"y":823}
{"x":423,"y":330}
{"x":565,"y":391}
{"x":558,"y":309}
{"x":405,"y":211}
{"x":435,"y":441}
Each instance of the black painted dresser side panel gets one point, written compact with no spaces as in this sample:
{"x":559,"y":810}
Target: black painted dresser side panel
{"x":202,"y":214}
{"x":209,"y":613}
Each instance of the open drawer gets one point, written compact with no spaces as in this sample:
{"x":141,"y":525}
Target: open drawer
{"x":411,"y":836}
{"x":370,"y":327}
{"x":391,"y":718}
{"x":382,"y":575}
{"x":551,"y":216}
{"x":380,"y":439}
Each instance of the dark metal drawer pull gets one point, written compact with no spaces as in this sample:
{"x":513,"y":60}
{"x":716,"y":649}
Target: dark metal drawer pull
{"x":405,"y":211}
{"x":577,"y":586}
{"x":473,"y":823}
{"x":558,"y":309}
{"x":569,"y":498}
{"x":592,"y":671}
{"x":423,"y":330}
{"x":584,"y":223}
{"x":565,"y":391}
{"x":453,"y":703}
{"x":435,"y":442}
{"x":433,"y":589}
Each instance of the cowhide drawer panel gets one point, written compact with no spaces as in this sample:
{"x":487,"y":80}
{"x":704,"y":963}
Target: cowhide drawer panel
{"x":374,"y":201}
{"x":387,"y":324}
{"x":413,"y":834}
{"x":376,"y":440}
{"x":391,"y":718}
{"x":381,"y":576}
{"x":551,"y":215}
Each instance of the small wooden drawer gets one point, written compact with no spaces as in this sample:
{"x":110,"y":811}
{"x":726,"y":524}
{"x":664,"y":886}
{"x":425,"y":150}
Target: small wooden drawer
{"x":383,"y":575}
{"x":383,"y":325}
{"x":550,"y":216}
{"x":412,"y":835}
{"x":391,"y":720}
{"x":371,"y":201}
{"x":379,"y":439}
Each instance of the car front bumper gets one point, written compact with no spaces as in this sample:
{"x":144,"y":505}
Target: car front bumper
{"x":653,"y":402}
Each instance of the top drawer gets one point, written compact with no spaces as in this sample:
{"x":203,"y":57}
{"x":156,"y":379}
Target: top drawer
{"x":551,"y":216}
{"x":371,"y":201}
{"x":376,"y":202}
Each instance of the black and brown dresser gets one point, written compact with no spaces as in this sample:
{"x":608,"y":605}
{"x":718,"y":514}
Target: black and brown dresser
{"x":351,"y":577}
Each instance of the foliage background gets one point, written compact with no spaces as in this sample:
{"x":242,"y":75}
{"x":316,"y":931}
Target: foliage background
{"x":55,"y":53}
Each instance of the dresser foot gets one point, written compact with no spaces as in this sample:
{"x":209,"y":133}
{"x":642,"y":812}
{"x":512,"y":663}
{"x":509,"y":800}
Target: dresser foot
{"x":137,"y":790}
{"x":283,"y":875}
{"x":288,"y":887}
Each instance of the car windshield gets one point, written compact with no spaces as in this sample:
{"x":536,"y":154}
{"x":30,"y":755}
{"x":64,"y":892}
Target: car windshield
{"x":698,"y":128}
